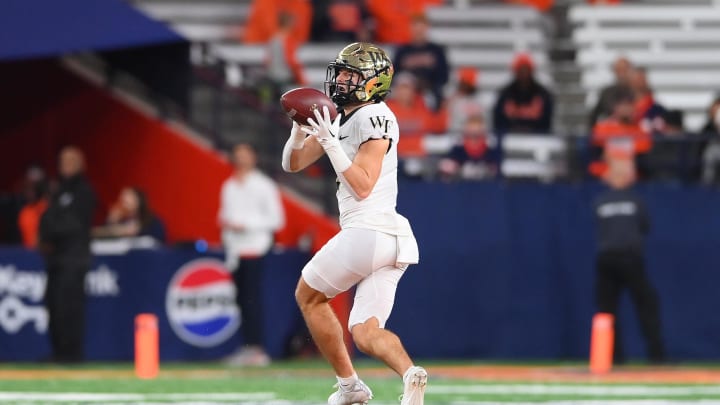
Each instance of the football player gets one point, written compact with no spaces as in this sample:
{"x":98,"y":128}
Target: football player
{"x":375,"y":245}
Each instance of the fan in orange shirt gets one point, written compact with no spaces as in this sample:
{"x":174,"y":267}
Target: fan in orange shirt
{"x":393,"y":18}
{"x":414,"y":117}
{"x":622,"y":124}
{"x":262,"y":22}
{"x":281,"y":61}
{"x":619,"y":135}
{"x":35,"y":193}
{"x":542,"y":5}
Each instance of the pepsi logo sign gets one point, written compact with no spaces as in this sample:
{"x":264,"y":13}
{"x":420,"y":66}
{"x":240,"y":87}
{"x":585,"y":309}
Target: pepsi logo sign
{"x":201,"y":305}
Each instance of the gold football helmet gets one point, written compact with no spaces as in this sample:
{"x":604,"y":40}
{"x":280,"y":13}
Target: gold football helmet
{"x":375,"y":72}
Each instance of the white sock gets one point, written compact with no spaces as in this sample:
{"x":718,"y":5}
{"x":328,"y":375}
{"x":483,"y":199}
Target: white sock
{"x":347,"y":382}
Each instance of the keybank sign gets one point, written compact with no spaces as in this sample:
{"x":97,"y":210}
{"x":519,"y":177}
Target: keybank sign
{"x":21,"y":294}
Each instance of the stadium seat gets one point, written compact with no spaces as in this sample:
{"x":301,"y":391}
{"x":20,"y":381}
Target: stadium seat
{"x":514,"y":17}
{"x":670,"y":79}
{"x":540,"y":157}
{"x":178,"y":12}
{"x":455,"y":36}
{"x":484,"y":37}
{"x":641,"y":37}
{"x":651,"y":58}
{"x":208,"y":32}
{"x":493,"y":58}
{"x":676,"y":44}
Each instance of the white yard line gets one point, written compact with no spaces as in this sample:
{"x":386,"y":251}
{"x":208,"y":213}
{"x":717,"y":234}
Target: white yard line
{"x":134,"y":397}
{"x":435,"y":393}
{"x":598,"y":402}
{"x":584,"y":390}
{"x":429,"y":402}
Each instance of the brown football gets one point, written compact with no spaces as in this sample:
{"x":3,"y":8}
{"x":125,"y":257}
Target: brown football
{"x":300,"y":103}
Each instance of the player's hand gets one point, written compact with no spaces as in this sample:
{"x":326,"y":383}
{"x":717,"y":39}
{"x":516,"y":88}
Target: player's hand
{"x":326,"y":132}
{"x":324,"y":129}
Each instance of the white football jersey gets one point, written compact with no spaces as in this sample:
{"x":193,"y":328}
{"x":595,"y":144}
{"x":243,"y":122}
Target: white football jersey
{"x":377,"y":211}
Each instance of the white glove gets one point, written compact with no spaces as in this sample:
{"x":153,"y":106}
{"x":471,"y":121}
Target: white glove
{"x":326,"y":132}
{"x":324,"y":129}
{"x":295,"y":142}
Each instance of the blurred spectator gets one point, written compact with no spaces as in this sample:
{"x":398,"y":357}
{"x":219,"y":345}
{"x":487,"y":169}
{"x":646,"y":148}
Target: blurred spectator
{"x":282,"y":68}
{"x":35,"y":197}
{"x":425,"y":59}
{"x":622,"y":68}
{"x":250,"y":213}
{"x":415,"y":119}
{"x":619,"y":130}
{"x":711,"y":150}
{"x":392,"y":19}
{"x":131,"y":216}
{"x":648,"y":112}
{"x":670,"y":159}
{"x":263,"y":20}
{"x":674,"y":126}
{"x":65,"y":245}
{"x":621,"y":123}
{"x":464,"y":102}
{"x":474,"y":157}
{"x":340,"y":21}
{"x":712,"y":122}
{"x":524,"y":105}
{"x":622,"y":223}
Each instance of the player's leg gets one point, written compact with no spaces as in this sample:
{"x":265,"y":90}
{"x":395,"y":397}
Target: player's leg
{"x":608,"y":283}
{"x":324,"y":328}
{"x":65,"y":299}
{"x":248,"y":284}
{"x":250,"y":296}
{"x":53,"y":300}
{"x":608,"y":287}
{"x":647,"y":306}
{"x":331,"y":271}
{"x":374,"y":299}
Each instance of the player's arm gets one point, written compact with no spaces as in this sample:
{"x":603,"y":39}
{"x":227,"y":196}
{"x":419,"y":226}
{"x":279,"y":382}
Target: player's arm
{"x":359,"y":175}
{"x":365,"y":169}
{"x":300,"y":151}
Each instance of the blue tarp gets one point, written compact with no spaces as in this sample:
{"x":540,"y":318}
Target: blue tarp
{"x":44,"y":28}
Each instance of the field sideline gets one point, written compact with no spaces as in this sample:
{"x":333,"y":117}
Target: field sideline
{"x":310,"y":382}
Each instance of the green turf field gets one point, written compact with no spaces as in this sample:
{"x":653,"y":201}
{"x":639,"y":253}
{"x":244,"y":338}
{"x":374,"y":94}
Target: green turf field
{"x":310,"y":382}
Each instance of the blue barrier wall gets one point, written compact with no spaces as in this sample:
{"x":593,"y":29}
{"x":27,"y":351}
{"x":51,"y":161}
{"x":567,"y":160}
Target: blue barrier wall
{"x":121,"y":286}
{"x":507,"y":271}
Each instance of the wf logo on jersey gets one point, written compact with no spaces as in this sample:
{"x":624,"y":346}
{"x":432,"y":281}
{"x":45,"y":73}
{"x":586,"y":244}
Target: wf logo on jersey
{"x":381,"y":122}
{"x":200,"y":303}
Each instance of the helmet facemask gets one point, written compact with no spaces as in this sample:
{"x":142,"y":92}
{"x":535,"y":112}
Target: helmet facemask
{"x":342,"y":92}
